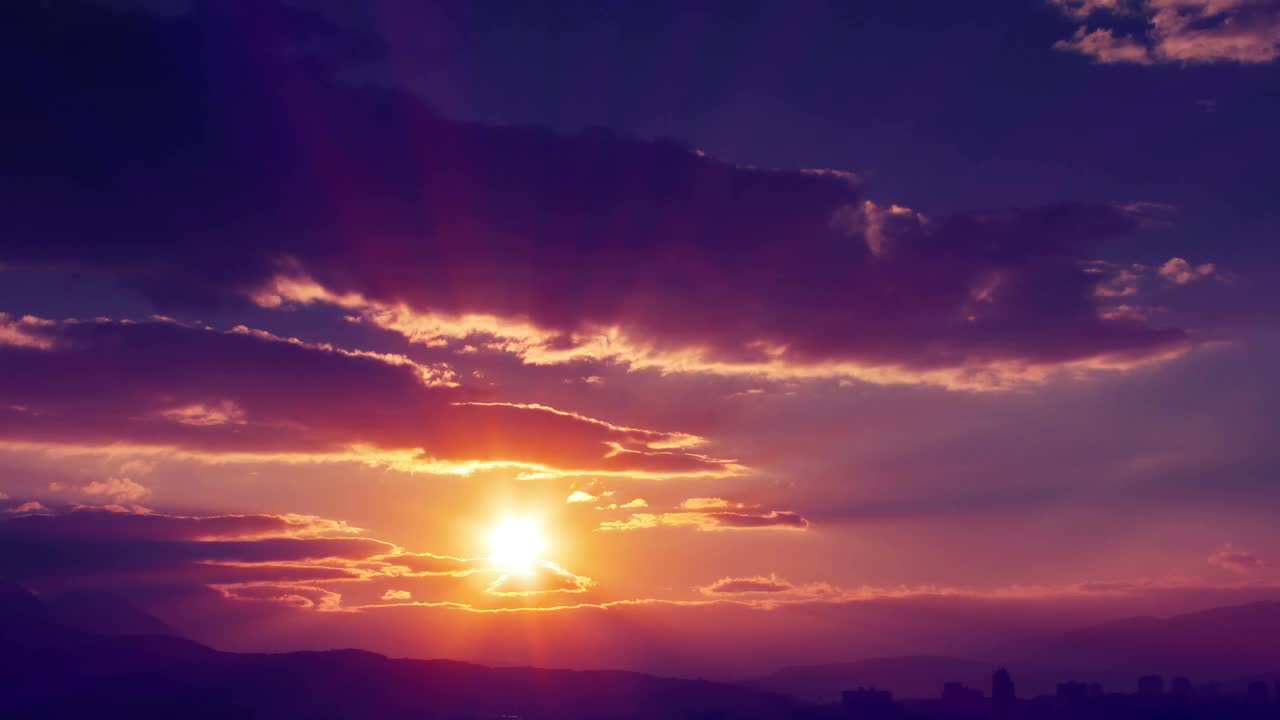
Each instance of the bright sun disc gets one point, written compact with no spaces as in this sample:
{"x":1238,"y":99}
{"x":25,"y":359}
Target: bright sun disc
{"x":516,"y":543}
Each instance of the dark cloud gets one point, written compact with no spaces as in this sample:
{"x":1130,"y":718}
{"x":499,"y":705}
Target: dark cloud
{"x":276,"y":558}
{"x":90,"y":525}
{"x":162,"y":384}
{"x":198,"y":182}
{"x":772,"y":518}
{"x":121,"y":546}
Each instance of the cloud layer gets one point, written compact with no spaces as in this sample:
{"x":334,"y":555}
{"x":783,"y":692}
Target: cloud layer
{"x":297,"y":560}
{"x":1174,"y":31}
{"x":517,"y":240}
{"x":225,"y":395}
{"x":710,"y":514}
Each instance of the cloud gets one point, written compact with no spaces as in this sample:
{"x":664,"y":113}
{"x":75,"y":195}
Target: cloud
{"x":759,"y":584}
{"x":291,"y":595}
{"x":199,"y":414}
{"x":1240,"y":561}
{"x":1124,"y":291}
{"x":545,"y":577}
{"x":97,"y":524}
{"x":134,"y":384}
{"x":416,"y":563}
{"x":1081,"y":9}
{"x":578,"y":496}
{"x":775,"y":588}
{"x":1104,"y":46}
{"x":549,"y":249}
{"x":997,"y":300}
{"x":1174,"y":31}
{"x":118,"y":489}
{"x":747,"y":520}
{"x":710,"y":514}
{"x":258,"y":558}
{"x":1181,"y":272}
{"x":704,"y":503}
{"x":21,"y":332}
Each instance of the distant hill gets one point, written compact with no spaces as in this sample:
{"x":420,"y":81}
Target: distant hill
{"x":1222,"y":643}
{"x":1228,"y":645}
{"x":906,"y":677}
{"x":103,"y":613}
{"x":49,"y":670}
{"x":922,"y":677}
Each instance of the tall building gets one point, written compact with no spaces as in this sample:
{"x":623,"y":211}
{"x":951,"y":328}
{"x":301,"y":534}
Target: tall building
{"x":1259,"y":692}
{"x":1072,"y":695}
{"x":1181,"y":688}
{"x":1151,"y":685}
{"x":959,"y":692}
{"x":1003,"y":697}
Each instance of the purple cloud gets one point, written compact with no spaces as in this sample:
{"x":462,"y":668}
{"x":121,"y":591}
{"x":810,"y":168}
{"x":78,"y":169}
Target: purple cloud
{"x":1174,"y":31}
{"x":1240,"y":561}
{"x":546,"y":247}
{"x":167,"y":385}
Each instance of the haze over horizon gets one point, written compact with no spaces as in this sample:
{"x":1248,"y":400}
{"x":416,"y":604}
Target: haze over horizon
{"x":696,"y":339}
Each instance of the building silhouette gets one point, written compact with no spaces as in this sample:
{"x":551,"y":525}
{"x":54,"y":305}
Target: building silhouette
{"x":1151,"y":686}
{"x":869,"y":703}
{"x":1180,"y":688}
{"x":1259,"y":692}
{"x":963,"y":701}
{"x":1072,"y":695}
{"x":1004,"y":699}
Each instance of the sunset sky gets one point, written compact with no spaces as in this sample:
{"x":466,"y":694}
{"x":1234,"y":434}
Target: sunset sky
{"x":640,"y":335}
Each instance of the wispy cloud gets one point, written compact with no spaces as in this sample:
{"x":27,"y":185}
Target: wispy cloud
{"x":1174,"y":31}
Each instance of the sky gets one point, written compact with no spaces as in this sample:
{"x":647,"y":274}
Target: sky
{"x":683,"y":337}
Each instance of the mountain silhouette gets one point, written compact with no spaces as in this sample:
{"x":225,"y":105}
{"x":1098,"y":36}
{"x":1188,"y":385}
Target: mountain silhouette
{"x":1226,"y":644}
{"x":20,"y":608}
{"x":49,"y":670}
{"x":912,"y":677}
{"x":922,"y":676}
{"x":104,"y":613}
{"x":1223,"y":643}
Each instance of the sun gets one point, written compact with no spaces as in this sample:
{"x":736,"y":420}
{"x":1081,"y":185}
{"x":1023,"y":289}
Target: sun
{"x":516,"y":544}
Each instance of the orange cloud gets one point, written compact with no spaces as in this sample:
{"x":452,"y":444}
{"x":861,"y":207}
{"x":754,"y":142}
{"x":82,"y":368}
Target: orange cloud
{"x":1181,"y":272}
{"x":712,"y":514}
{"x":1174,"y":31}
{"x":545,"y":577}
{"x":578,"y":496}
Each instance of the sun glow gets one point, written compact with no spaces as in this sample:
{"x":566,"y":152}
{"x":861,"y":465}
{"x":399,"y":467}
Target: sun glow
{"x":516,"y":544}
